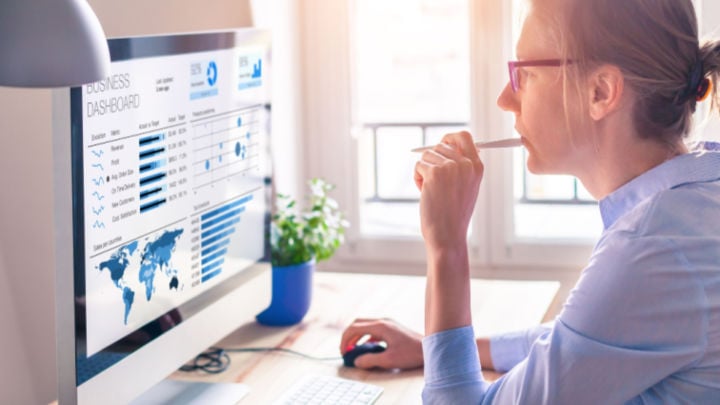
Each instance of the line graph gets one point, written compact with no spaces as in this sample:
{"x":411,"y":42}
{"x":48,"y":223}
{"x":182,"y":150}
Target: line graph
{"x":96,"y":189}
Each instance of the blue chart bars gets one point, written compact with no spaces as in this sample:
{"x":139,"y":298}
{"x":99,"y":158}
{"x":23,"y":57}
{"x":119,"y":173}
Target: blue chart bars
{"x":153,"y":180}
{"x":216,"y":228}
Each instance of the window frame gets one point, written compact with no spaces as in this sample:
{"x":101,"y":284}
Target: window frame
{"x":331,"y":145}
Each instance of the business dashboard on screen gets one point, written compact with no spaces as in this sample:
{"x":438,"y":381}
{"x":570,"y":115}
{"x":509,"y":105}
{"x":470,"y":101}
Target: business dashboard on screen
{"x":169,"y":171}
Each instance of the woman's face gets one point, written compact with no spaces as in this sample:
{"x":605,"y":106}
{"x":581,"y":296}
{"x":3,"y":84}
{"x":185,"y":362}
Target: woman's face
{"x":539,"y":106}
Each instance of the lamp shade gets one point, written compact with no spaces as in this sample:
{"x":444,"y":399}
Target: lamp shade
{"x":51,"y":43}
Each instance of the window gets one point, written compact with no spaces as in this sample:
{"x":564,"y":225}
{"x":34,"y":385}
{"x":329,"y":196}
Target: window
{"x":549,"y":207}
{"x":411,"y":86}
{"x":410,"y":64}
{"x":384,"y":77}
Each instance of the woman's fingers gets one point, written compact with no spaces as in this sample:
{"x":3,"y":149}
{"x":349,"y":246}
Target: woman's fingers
{"x":360,"y":328}
{"x":448,"y":177}
{"x":404,"y":346}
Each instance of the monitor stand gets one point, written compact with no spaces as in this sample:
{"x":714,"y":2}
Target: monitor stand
{"x":192,"y":393}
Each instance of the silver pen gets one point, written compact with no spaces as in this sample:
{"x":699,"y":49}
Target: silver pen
{"x":500,"y":143}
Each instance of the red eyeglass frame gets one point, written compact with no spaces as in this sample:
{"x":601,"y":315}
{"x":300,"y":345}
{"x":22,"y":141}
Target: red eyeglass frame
{"x":513,"y":65}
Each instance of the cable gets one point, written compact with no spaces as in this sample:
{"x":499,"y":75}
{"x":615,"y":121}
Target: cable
{"x":211,"y":361}
{"x":283,"y":350}
{"x":216,"y":360}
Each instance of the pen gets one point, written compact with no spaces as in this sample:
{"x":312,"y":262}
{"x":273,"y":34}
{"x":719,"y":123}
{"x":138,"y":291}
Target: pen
{"x":500,"y":143}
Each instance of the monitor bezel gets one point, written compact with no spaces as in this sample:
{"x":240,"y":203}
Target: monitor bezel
{"x":228,"y":307}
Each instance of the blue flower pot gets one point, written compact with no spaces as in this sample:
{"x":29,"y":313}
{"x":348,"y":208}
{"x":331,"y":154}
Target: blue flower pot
{"x":291,"y":295}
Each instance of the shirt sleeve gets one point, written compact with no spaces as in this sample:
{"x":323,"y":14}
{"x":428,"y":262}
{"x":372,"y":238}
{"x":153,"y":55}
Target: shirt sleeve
{"x":509,"y":349}
{"x":634,"y":318}
{"x":452,"y":372}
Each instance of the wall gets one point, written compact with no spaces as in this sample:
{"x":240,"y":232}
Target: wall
{"x":281,"y":16}
{"x":710,"y":28}
{"x":26,"y":245}
{"x":15,"y":369}
{"x":27,"y":310}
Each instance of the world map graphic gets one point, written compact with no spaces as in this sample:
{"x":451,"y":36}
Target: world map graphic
{"x":130,"y":267}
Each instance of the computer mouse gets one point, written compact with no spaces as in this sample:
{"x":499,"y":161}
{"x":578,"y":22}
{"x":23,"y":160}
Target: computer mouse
{"x":368,"y":347}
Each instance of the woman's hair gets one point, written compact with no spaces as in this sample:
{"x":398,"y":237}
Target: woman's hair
{"x":655,"y":45}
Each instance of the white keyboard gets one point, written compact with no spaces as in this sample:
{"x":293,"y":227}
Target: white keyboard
{"x":322,"y":389}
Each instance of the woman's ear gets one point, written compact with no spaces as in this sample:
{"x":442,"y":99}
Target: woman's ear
{"x":606,"y":87}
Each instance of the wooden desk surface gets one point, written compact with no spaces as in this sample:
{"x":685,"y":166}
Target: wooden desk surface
{"x":498,"y":306}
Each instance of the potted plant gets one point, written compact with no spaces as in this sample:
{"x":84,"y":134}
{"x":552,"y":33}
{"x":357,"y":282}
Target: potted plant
{"x":298,"y":241}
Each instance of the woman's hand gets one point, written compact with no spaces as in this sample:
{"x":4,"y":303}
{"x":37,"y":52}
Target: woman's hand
{"x":404,"y":346}
{"x":448,"y":178}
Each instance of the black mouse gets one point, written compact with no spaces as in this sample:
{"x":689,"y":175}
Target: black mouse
{"x":368,"y":347}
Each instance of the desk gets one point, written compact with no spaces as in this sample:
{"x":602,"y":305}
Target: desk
{"x":498,"y":306}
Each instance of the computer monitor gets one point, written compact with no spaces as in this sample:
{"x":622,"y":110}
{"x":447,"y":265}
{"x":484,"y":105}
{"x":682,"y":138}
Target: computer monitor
{"x":162,"y":207}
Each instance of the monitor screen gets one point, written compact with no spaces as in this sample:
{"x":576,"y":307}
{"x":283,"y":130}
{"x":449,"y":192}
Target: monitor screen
{"x":162,"y":178}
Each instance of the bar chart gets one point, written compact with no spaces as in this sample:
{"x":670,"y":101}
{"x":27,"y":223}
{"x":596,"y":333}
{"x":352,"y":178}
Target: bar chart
{"x":217,"y":227}
{"x":153,"y":177}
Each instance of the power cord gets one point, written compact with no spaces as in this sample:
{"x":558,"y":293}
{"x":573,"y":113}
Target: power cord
{"x":215,"y":360}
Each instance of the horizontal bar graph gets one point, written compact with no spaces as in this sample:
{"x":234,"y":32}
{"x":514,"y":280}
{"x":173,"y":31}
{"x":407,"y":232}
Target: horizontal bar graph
{"x":217,"y":227}
{"x":153,"y":182}
{"x":226,"y":207}
{"x":152,"y":165}
{"x":151,"y":139}
{"x":217,"y":255}
{"x":152,"y":205}
{"x":224,"y":226}
{"x":151,"y":192}
{"x":212,"y":270}
{"x":151,"y":152}
{"x":209,"y":241}
{"x":215,"y":247}
{"x":144,"y":181}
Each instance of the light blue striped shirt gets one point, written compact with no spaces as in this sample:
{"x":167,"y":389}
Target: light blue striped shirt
{"x":642,"y":325}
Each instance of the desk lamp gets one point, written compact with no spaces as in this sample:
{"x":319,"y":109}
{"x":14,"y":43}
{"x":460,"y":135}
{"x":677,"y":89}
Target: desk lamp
{"x":51,"y":43}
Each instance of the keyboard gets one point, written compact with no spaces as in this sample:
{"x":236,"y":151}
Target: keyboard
{"x":322,"y":389}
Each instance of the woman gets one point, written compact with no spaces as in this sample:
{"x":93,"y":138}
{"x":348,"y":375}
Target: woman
{"x":604,"y":91}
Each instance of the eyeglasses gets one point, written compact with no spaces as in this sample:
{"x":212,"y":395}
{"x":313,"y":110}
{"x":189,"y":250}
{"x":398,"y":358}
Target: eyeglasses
{"x":514,"y":65}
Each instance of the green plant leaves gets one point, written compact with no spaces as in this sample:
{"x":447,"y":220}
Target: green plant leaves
{"x":317,"y":232}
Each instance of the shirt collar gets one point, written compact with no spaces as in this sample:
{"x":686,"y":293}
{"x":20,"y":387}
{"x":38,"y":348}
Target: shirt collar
{"x":700,"y":165}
